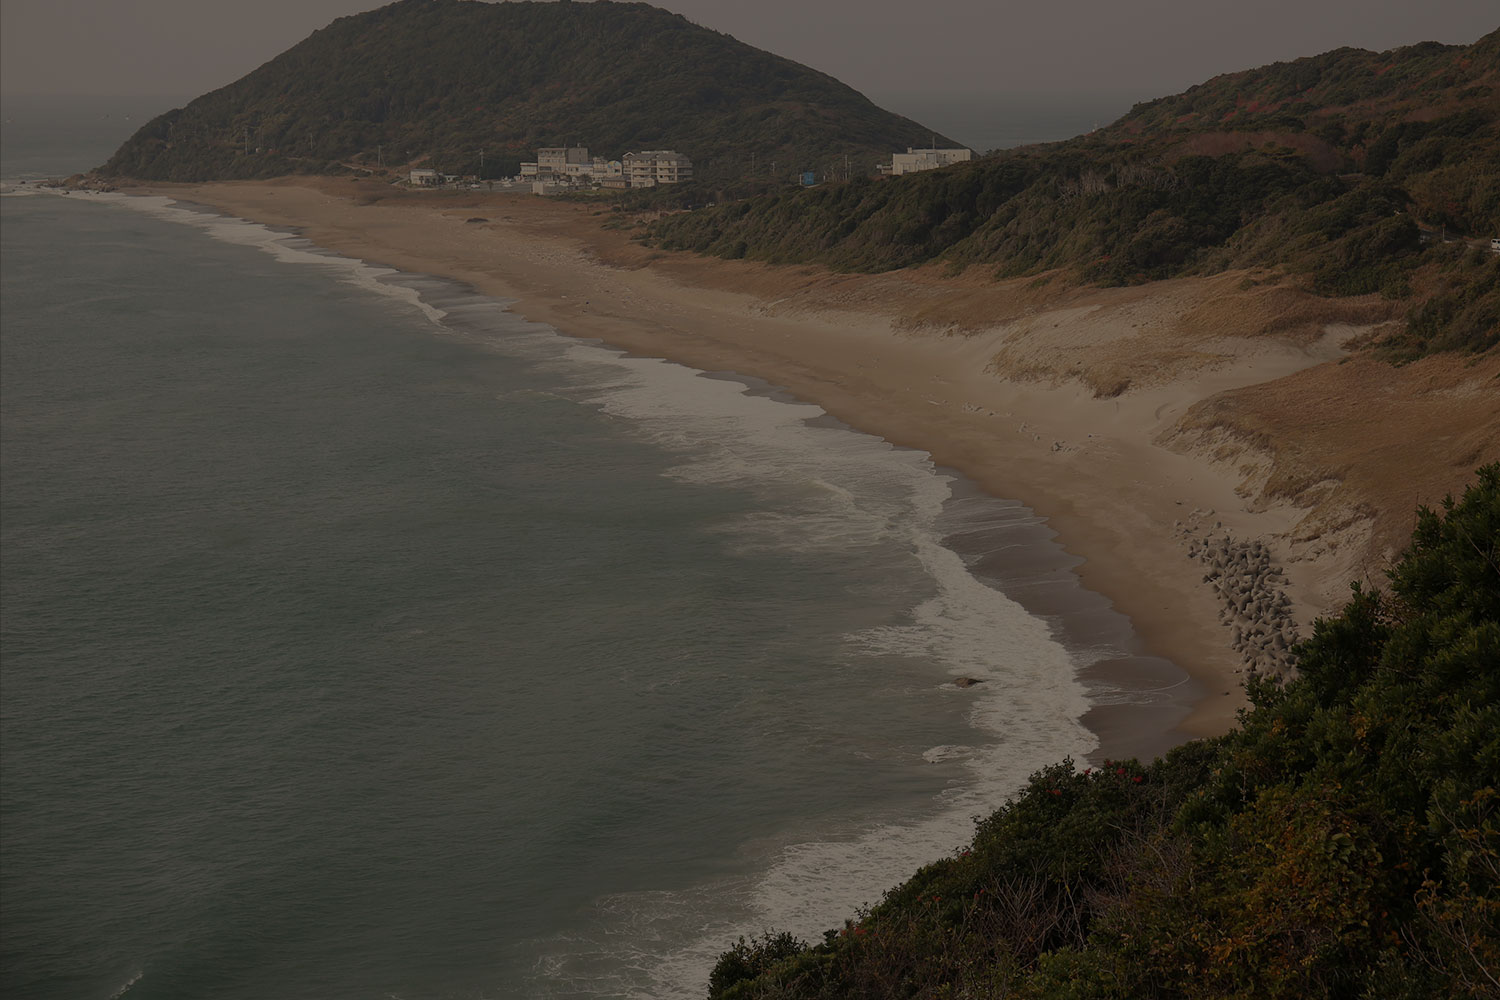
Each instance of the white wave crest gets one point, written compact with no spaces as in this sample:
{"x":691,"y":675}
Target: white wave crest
{"x":287,"y":248}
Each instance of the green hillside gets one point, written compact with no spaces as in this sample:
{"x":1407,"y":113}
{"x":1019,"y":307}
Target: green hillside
{"x":1328,"y":168}
{"x":1343,"y":842}
{"x":435,"y":82}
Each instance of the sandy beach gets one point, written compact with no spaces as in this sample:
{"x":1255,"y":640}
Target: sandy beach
{"x":1134,"y":419}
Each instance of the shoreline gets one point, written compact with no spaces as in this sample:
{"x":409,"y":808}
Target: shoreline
{"x":541,"y":286}
{"x":1090,"y":465}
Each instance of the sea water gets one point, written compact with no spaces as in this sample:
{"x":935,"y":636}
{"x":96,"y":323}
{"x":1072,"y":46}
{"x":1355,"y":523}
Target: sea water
{"x":362,"y":639}
{"x":985,"y":122}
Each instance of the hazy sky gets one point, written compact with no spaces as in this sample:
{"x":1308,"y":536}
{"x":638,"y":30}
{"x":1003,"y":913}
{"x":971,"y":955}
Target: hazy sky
{"x":1140,"y":48}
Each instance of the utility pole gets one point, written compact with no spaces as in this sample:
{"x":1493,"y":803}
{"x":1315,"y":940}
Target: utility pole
{"x":247,"y":140}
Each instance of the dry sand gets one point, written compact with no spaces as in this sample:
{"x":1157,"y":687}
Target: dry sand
{"x":1114,"y":413}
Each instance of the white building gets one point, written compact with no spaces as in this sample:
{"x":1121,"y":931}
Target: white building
{"x":915,"y":160}
{"x":651,"y":167}
{"x":423,"y":177}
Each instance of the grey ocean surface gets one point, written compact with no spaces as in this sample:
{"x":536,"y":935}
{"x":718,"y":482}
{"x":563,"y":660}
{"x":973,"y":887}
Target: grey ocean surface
{"x":361,"y":639}
{"x":1003,"y":121}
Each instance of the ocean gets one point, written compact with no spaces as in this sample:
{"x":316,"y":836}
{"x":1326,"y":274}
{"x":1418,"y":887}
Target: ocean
{"x":363,"y":639}
{"x":986,"y":122}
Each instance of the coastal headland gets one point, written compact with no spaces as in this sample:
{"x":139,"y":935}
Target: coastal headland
{"x":1218,"y":450}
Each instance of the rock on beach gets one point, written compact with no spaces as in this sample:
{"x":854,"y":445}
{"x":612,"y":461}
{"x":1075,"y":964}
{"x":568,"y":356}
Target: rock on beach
{"x":1252,"y":594}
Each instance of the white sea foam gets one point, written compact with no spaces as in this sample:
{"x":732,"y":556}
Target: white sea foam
{"x":835,"y":489}
{"x":284,"y":247}
{"x":1029,"y":708}
{"x":828,"y":489}
{"x":117,"y":994}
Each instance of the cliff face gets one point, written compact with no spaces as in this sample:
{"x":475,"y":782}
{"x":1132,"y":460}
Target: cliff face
{"x":438,"y":81}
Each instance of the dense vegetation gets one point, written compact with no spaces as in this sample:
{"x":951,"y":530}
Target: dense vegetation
{"x":1344,"y":841}
{"x":1329,"y":168}
{"x":435,"y":82}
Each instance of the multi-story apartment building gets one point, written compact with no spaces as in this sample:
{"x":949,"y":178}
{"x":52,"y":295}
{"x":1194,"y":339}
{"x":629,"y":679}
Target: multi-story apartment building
{"x":651,"y":167}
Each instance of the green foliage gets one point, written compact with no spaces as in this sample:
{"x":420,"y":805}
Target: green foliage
{"x":749,"y":959}
{"x":1119,"y":222}
{"x":436,"y":81}
{"x":1344,"y":841}
{"x":1318,"y":94}
{"x":1325,"y":167}
{"x":1464,"y":314}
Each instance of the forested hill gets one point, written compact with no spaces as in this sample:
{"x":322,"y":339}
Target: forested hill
{"x":1328,"y":168}
{"x":435,"y":82}
{"x":1344,"y":98}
